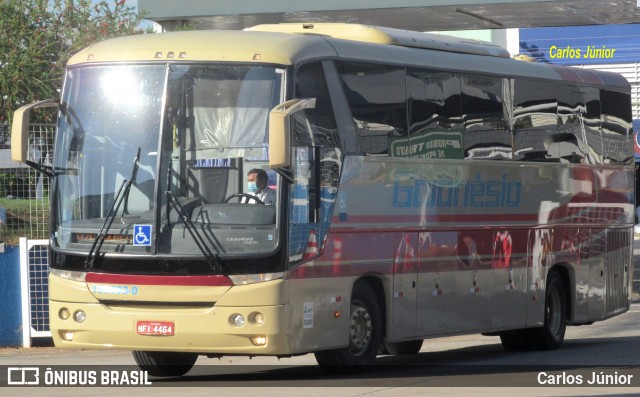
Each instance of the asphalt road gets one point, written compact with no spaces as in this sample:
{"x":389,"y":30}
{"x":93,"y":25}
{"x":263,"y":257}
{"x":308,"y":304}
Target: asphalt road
{"x":460,"y":365}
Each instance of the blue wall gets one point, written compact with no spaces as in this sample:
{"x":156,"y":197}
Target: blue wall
{"x":10,"y":302}
{"x":571,"y":45}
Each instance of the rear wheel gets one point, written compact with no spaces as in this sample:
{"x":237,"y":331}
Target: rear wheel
{"x":365,"y":334}
{"x":551,"y":335}
{"x":165,"y":363}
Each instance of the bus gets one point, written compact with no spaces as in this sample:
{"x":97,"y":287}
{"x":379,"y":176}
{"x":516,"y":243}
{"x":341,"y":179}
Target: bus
{"x":425,"y":186}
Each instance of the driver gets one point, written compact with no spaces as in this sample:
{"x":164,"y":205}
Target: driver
{"x":257,"y":186}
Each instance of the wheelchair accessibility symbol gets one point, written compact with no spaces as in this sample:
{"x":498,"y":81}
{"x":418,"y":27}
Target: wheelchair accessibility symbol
{"x":141,"y":234}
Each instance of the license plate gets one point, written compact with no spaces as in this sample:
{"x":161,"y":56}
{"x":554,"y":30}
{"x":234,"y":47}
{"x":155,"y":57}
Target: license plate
{"x":156,"y":328}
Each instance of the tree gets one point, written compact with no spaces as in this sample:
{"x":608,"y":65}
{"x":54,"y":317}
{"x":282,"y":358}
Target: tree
{"x":37,"y":38}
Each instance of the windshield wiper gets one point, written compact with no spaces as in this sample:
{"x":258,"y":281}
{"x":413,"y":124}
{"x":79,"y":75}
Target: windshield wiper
{"x":212,"y":259}
{"x":121,"y":195}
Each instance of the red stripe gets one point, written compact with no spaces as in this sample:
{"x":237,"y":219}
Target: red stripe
{"x":416,"y":218}
{"x":131,"y":279}
{"x":593,"y":215}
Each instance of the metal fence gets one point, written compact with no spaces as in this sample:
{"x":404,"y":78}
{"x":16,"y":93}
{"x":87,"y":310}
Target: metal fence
{"x":24,"y":220}
{"x":24,"y":192}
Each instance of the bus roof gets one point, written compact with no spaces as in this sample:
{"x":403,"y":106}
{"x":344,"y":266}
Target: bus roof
{"x":289,"y":44}
{"x":203,"y":45}
{"x":274,"y":43}
{"x":382,"y":35}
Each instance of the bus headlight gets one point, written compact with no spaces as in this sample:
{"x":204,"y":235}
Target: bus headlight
{"x":79,"y":316}
{"x":244,"y":279}
{"x":237,"y":320}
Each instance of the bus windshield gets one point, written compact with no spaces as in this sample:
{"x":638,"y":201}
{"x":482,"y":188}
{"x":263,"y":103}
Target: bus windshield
{"x":157,"y":156}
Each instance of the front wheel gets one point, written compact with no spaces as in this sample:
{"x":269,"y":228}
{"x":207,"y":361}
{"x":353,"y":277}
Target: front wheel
{"x":365,"y":334}
{"x":165,"y":363}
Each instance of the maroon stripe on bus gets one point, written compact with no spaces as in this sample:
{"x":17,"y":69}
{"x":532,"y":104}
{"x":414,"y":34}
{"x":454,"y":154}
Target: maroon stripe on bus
{"x":192,"y":281}
{"x":568,"y":214}
{"x":443,"y":218}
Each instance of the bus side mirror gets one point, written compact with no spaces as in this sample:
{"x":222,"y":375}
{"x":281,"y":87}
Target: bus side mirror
{"x":20,"y":129}
{"x":280,"y":130}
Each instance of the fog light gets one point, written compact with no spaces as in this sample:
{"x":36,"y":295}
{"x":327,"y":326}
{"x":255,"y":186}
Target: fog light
{"x":237,"y":320}
{"x":64,"y":314}
{"x":68,"y":336}
{"x":79,"y":316}
{"x":260,"y":340}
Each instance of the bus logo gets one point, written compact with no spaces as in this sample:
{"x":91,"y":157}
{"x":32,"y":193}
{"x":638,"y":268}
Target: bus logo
{"x":142,"y":235}
{"x":23,"y":376}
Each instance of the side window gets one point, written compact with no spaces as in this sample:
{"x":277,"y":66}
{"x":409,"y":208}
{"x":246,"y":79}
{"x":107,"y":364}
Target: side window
{"x":435,"y":124}
{"x":616,"y":128}
{"x":592,"y":121}
{"x":556,"y":122}
{"x":486,"y":135}
{"x":534,"y":118}
{"x":311,"y":83}
{"x":569,"y":144}
{"x":377,"y":98}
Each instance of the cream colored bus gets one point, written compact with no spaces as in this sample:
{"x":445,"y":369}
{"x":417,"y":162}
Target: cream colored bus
{"x":424,"y":186}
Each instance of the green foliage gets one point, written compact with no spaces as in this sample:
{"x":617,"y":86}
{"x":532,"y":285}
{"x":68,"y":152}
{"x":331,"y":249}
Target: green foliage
{"x":20,"y":221}
{"x":37,"y":38}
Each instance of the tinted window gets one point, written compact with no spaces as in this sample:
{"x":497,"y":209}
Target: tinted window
{"x":534,"y":118}
{"x":435,"y":125}
{"x":616,"y":125}
{"x":569,"y":144}
{"x":311,"y":83}
{"x":591,"y":122}
{"x":486,"y":135}
{"x":377,"y":98}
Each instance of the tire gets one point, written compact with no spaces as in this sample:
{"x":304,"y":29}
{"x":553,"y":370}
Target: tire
{"x":365,"y":335}
{"x":402,"y":348}
{"x":165,"y":363}
{"x":551,"y":335}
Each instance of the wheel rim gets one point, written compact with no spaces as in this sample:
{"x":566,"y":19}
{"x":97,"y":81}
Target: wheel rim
{"x":554,"y":312}
{"x":360,"y":330}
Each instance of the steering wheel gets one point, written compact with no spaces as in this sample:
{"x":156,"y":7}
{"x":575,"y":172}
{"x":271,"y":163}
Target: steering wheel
{"x":245,"y":195}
